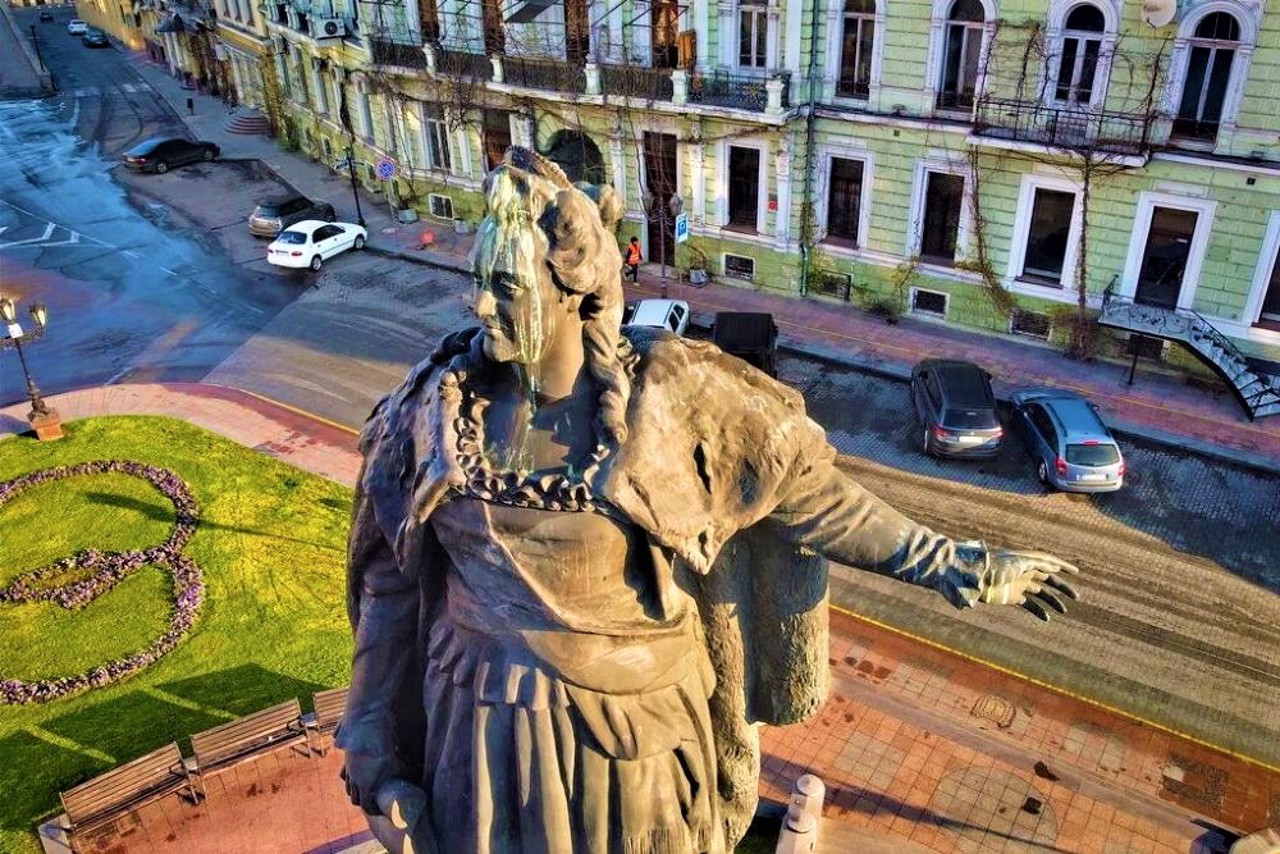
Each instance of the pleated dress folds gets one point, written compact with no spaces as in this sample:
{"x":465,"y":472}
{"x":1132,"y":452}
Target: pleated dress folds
{"x":563,"y":716}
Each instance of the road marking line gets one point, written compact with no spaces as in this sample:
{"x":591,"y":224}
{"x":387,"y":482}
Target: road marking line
{"x":167,"y":270}
{"x":297,"y":410}
{"x":1097,"y":704}
{"x":131,"y":254}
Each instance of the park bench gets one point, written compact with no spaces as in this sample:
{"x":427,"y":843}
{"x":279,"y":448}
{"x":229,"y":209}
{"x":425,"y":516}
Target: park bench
{"x":323,"y":722}
{"x":238,"y":740}
{"x":123,"y":789}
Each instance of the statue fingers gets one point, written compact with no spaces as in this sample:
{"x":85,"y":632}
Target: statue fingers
{"x":1036,"y":609}
{"x":1052,"y":601}
{"x":1062,"y":587}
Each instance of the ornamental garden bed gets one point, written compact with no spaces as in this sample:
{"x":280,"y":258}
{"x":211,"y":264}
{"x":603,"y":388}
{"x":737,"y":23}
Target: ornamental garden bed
{"x":189,"y":581}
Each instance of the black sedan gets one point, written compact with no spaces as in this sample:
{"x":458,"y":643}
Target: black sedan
{"x":159,"y":154}
{"x":46,"y":16}
{"x":957,"y":409}
{"x":94,"y":38}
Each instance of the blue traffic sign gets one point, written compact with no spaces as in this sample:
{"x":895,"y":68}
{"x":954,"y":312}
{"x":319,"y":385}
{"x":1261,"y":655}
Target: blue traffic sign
{"x":386,"y":169}
{"x":682,"y":228}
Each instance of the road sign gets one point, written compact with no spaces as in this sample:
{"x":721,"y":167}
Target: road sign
{"x":386,"y":169}
{"x":682,"y":228}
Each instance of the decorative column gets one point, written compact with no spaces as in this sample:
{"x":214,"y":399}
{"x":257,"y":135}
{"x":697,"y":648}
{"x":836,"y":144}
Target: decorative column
{"x":617,"y":47}
{"x":773,"y":91}
{"x":771,"y":36}
{"x":727,"y":57}
{"x":782,"y":166}
{"x":429,"y":53}
{"x":702,"y":29}
{"x":679,"y":86}
{"x":619,"y":162}
{"x":496,"y":61}
{"x":697,"y":152}
{"x":592,"y":70}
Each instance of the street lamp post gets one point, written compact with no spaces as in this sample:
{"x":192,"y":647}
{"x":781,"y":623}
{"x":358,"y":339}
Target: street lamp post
{"x":44,"y":418}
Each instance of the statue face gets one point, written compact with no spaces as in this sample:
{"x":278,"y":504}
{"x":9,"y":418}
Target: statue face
{"x":519,"y":312}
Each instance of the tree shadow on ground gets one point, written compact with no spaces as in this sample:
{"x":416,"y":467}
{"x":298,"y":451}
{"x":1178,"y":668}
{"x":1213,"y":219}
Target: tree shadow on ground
{"x":240,"y":690}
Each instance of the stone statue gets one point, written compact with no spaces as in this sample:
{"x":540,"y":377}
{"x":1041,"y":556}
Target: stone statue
{"x":587,"y":563}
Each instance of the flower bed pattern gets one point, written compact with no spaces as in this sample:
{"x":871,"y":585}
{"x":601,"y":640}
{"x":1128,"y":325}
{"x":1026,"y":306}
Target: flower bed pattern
{"x":107,"y":570}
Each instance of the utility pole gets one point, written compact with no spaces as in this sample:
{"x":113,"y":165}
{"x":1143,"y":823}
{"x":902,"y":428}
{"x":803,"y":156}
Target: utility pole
{"x":35,"y":43}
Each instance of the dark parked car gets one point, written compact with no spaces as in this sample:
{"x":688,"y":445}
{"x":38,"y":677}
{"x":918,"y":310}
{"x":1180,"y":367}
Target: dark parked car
{"x":957,"y":409}
{"x":751,"y":336}
{"x":1071,"y":447}
{"x":46,"y":16}
{"x":94,"y":38}
{"x":159,"y":154}
{"x":270,"y":218}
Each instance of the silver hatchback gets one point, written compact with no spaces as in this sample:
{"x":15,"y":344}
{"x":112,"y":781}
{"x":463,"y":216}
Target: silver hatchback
{"x":1071,"y":447}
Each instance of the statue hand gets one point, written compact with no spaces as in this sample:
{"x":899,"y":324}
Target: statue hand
{"x":1032,"y":580}
{"x":365,"y":772}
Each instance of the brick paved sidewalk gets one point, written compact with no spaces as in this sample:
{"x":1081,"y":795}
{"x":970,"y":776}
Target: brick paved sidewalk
{"x":916,"y":744}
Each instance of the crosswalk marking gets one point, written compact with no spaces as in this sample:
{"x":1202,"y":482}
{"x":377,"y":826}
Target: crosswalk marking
{"x":97,"y":91}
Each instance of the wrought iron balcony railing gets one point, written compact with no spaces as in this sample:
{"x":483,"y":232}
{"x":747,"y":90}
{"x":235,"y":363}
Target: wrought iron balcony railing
{"x":739,"y":92}
{"x":547,"y":74}
{"x":633,"y":81}
{"x":1072,"y":128}
{"x":387,"y":52}
{"x":460,"y":63}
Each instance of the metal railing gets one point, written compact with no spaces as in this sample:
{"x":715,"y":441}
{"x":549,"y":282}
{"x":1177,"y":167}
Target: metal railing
{"x":396,"y":53}
{"x":633,"y":81}
{"x":720,"y":89}
{"x":1072,"y":128}
{"x":1188,"y":327}
{"x":547,"y":74}
{"x":460,"y":63}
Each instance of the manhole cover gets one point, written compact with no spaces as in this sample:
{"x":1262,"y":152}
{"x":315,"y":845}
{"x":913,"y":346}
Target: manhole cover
{"x":996,"y":709}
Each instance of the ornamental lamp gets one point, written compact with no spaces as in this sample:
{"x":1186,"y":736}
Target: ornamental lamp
{"x":8,"y":310}
{"x":40,"y":314}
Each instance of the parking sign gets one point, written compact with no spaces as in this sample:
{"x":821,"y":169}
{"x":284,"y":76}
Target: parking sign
{"x":682,"y":228}
{"x":386,"y":169}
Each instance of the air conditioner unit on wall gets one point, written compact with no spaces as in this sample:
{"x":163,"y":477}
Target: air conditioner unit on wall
{"x":328,"y":28}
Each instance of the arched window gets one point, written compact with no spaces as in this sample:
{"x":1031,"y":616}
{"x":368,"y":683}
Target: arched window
{"x":1204,"y":90}
{"x":1078,"y":58}
{"x":962,"y":55}
{"x":858,"y":40}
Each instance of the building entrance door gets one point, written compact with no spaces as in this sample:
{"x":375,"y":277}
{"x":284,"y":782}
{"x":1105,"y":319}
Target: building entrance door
{"x":1164,"y":258}
{"x":660,"y":181}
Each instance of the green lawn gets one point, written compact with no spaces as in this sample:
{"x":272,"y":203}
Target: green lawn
{"x":271,"y":544}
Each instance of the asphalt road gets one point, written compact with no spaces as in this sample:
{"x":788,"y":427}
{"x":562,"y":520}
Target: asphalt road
{"x":1179,"y":622}
{"x":134,"y":289}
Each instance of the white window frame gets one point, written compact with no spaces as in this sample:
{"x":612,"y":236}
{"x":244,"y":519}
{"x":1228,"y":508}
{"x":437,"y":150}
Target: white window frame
{"x":319,"y":92}
{"x":1057,"y":36}
{"x":864,"y":203}
{"x":722,"y":177}
{"x":1179,"y":62}
{"x":759,"y":11}
{"x":725,"y":266}
{"x":1022,"y":233}
{"x":1147,"y":203}
{"x":728,"y":43}
{"x":835,"y":51}
{"x":1268,"y":260}
{"x":938,"y":27}
{"x":915,"y":222}
{"x":437,"y":130}
{"x":365,"y":108}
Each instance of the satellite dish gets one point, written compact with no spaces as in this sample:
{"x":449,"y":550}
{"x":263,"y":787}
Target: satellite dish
{"x":1159,"y":13}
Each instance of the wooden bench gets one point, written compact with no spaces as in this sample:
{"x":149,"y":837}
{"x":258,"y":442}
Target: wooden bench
{"x":123,"y":789}
{"x":329,"y":706}
{"x":238,"y":740}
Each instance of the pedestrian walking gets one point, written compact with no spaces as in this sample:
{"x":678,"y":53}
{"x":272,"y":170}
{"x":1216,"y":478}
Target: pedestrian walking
{"x":634,"y":259}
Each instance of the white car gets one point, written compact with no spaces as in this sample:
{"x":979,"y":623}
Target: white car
{"x":310,"y":242}
{"x":77,"y":27}
{"x":669,"y":314}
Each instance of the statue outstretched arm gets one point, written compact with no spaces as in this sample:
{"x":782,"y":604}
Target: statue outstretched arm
{"x":383,"y":603}
{"x":829,"y":512}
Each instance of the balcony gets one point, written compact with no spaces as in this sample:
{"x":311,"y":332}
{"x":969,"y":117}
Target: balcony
{"x":736,"y":92}
{"x":460,"y":63}
{"x":547,"y":74}
{"x":1067,"y":128}
{"x":633,"y":81}
{"x":397,"y":54}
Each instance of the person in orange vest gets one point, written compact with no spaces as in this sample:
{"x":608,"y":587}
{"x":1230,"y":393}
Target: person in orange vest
{"x":634,"y":258}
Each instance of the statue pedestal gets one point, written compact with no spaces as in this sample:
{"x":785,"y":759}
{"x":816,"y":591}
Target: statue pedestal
{"x":47,"y":424}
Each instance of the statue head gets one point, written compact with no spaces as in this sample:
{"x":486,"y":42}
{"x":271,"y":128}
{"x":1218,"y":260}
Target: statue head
{"x":546,"y":264}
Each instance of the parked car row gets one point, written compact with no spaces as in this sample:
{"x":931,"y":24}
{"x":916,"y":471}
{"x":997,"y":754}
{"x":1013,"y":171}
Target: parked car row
{"x":1072,"y":449}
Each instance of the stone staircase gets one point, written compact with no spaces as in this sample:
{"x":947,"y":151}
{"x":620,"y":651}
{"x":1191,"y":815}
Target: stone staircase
{"x":249,"y":123}
{"x":1258,"y":393}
